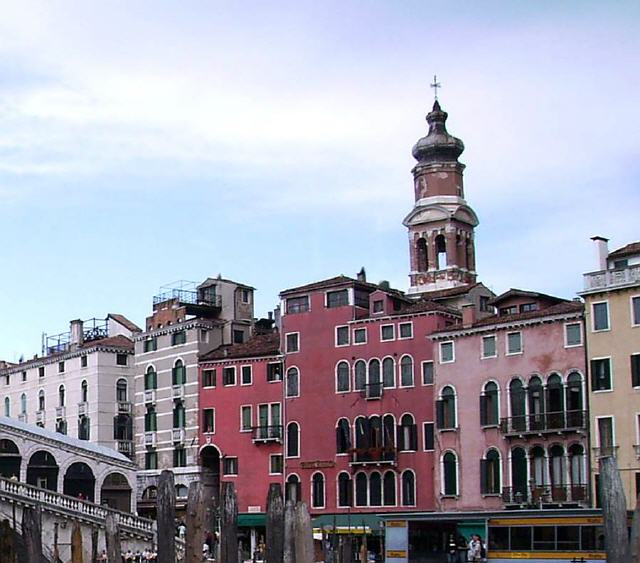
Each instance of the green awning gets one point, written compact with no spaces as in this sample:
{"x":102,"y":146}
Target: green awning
{"x":470,"y":527}
{"x":252,"y":520}
{"x":354,"y":520}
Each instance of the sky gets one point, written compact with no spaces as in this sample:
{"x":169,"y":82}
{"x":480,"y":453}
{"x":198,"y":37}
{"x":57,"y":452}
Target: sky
{"x":151,"y":141}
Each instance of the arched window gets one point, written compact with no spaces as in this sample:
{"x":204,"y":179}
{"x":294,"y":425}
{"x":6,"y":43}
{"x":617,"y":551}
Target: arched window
{"x":317,"y":490}
{"x":408,"y":488}
{"x":150,"y":419}
{"x":23,"y":403}
{"x":61,"y":396}
{"x":150,"y":379}
{"x":538,"y":470}
{"x":375,"y":489}
{"x":178,"y":373}
{"x":121,"y":391}
{"x":362,"y":432}
{"x":446,"y":409}
{"x":179,"y":415}
{"x":84,"y":428}
{"x":345,"y":489}
{"x":449,"y":474}
{"x":555,"y":402}
{"x":360,"y":371}
{"x":7,"y":406}
{"x":517,"y":404}
{"x":407,"y":434}
{"x":293,"y":439}
{"x":343,"y":436}
{"x":536,"y":404}
{"x":577,"y":473}
{"x":389,"y":489}
{"x":374,"y":385}
{"x":292,"y":490}
{"x":406,"y":371}
{"x":342,"y":377}
{"x":61,"y":426}
{"x":489,"y":411}
{"x":519,"y":475}
{"x":388,"y":373}
{"x":293,"y":382}
{"x":490,"y":473}
{"x":441,"y":252}
{"x":84,"y":392}
{"x":421,"y":253}
{"x":389,"y":433}
{"x":41,"y":400}
{"x":361,"y":489}
{"x":558,"y":473}
{"x":575,"y":403}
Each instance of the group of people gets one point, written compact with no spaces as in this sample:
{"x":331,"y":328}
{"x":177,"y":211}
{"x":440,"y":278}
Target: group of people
{"x":146,"y":556}
{"x":476,"y":550}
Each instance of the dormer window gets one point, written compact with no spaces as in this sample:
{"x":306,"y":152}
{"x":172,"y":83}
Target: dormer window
{"x":508,"y":310}
{"x":298,"y":304}
{"x":526,"y":307}
{"x":378,"y":306}
{"x":620,"y":264}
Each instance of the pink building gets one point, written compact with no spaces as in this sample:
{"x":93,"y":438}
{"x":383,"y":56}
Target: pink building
{"x":511,"y":407}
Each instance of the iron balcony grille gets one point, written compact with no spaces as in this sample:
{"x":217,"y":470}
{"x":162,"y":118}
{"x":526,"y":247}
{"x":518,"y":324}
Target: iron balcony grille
{"x":270,"y":433}
{"x":374,"y":456}
{"x":372,"y":391}
{"x":562,"y":421}
{"x":546,"y":494}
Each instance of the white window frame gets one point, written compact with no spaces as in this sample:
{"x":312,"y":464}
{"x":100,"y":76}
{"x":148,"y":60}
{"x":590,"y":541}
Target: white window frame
{"x":286,"y":439}
{"x":282,"y":462}
{"x":495,"y":346}
{"x":453,"y":352}
{"x":433,"y":370}
{"x":442,"y":493}
{"x":610,"y":375}
{"x":235,"y":376}
{"x":364,"y":330}
{"x":229,"y":457}
{"x":566,"y":340}
{"x":593,"y":316}
{"x":242,"y":429}
{"x":250,"y":373}
{"x":410,"y":325}
{"x":324,"y":492}
{"x":631,"y":298}
{"x":349,"y":297}
{"x":348,"y":390}
{"x":399,"y":370}
{"x":393,"y":329}
{"x":344,"y":327}
{"x":286,"y":383}
{"x":424,"y":436}
{"x":506,"y":344}
{"x":214,"y":420}
{"x":286,"y":342}
{"x":614,"y":442}
{"x":637,"y":417}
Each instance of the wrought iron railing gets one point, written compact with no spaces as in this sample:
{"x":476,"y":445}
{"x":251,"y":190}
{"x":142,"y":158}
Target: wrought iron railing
{"x":267,"y":433}
{"x":375,"y":456}
{"x":546,"y":494}
{"x":561,"y":421}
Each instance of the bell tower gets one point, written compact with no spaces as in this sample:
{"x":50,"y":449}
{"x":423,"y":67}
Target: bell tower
{"x":441,"y":224}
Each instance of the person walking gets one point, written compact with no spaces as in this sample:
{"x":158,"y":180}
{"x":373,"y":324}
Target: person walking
{"x":474,"y":553}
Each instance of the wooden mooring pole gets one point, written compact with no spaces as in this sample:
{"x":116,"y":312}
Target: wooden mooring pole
{"x":94,"y":544}
{"x":303,"y":534}
{"x":195,"y":523}
{"x":166,"y":502}
{"x":76,"y":543}
{"x":32,"y":533}
{"x":112,"y":538}
{"x":614,"y":511}
{"x":289,"y":550}
{"x":228,"y":525}
{"x":7,"y":543}
{"x":275,"y":524}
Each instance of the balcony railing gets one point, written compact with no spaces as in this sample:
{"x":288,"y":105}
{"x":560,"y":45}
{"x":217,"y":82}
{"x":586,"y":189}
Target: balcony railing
{"x":272,"y":433}
{"x":178,"y":435}
{"x":564,"y":421}
{"x":372,"y":391}
{"x":612,"y":278}
{"x":83,"y":408}
{"x":149,"y":396}
{"x":40,"y":416}
{"x":125,"y":447}
{"x":124,"y":407}
{"x":546,"y":494}
{"x":177,"y":391}
{"x":60,"y":412}
{"x":150,"y":439}
{"x":373,"y":456}
{"x":22,"y":417}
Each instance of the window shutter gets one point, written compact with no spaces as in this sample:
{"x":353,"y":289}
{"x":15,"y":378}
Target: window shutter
{"x":483,"y":410}
{"x":484,"y":486}
{"x":413,"y":434}
{"x":440,"y":414}
{"x":635,"y":370}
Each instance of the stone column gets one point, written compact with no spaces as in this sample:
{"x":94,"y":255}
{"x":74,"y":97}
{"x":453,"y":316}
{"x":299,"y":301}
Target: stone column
{"x":431,"y":250}
{"x":450,"y":238}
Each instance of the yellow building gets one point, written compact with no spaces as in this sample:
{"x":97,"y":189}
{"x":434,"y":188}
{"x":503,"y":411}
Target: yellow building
{"x":612,"y":322}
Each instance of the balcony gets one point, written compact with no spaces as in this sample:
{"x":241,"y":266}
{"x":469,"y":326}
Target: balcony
{"x":373,"y":456}
{"x":60,"y":412}
{"x":40,"y":417}
{"x":546,"y":495}
{"x":149,"y":396}
{"x":125,"y":447}
{"x":544,"y":423}
{"x":606,"y":451}
{"x":124,"y":407}
{"x":22,"y":417}
{"x":177,"y":392}
{"x":264,"y":434}
{"x":150,"y":439}
{"x":372,"y":391}
{"x":607,"y":279}
{"x":83,"y":408}
{"x":178,"y":435}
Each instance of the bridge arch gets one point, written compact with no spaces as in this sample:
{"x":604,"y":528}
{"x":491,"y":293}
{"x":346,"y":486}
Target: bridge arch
{"x":42,"y":470}
{"x":115,"y":492}
{"x":79,"y":481}
{"x":10,"y":459}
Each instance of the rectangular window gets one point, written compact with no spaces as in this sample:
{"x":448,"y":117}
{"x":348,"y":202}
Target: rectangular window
{"x":600,"y":316}
{"x":378,"y":306}
{"x":601,"y":374}
{"x":230,"y":466}
{"x":338,"y":298}
{"x":484,"y":304}
{"x":60,"y":367}
{"x":342,"y":336}
{"x":245,"y":418}
{"x":208,"y":377}
{"x":405,"y":330}
{"x":121,"y":359}
{"x":297,"y":304}
{"x":150,"y":344}
{"x":387,"y":332}
{"x":151,"y":460}
{"x":360,"y":336}
{"x":514,"y":343}
{"x":447,"y":352}
{"x":209,"y":420}
{"x":606,"y":438}
{"x":229,"y":376}
{"x":505,"y":311}
{"x":428,"y":428}
{"x":635,"y":370}
{"x":246,"y":296}
{"x":274,"y":371}
{"x":528,"y":307}
{"x":24,"y":376}
{"x":247,"y":377}
{"x":292,"y":342}
{"x":83,"y":361}
{"x":489,"y":346}
{"x":179,"y":457}
{"x":635,"y":310}
{"x":178,"y":338}
{"x":427,"y":373}
{"x":573,"y":334}
{"x":275,"y":464}
{"x":41,"y":371}
{"x":238,"y":336}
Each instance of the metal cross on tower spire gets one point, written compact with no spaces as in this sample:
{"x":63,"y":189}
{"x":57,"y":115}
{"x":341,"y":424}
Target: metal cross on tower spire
{"x":435,"y":86}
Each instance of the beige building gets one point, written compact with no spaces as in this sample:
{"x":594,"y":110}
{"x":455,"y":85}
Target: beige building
{"x":612,"y":298}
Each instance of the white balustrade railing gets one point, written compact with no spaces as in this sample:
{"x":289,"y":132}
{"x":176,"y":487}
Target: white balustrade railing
{"x":612,"y":278}
{"x":53,"y":500}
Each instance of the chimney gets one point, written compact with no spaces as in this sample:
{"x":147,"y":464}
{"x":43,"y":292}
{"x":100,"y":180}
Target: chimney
{"x":362,"y":275}
{"x":277,"y":317}
{"x":77,"y":334}
{"x":468,"y":315}
{"x":602,"y":249}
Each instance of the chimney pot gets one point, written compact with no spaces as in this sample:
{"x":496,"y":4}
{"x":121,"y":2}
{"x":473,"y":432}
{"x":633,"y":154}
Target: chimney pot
{"x":77,"y":333}
{"x":602,"y":248}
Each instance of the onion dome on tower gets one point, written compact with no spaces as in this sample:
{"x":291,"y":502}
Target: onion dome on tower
{"x":438,"y":145}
